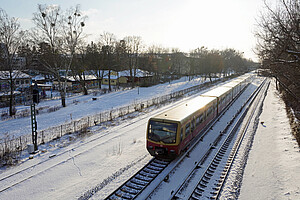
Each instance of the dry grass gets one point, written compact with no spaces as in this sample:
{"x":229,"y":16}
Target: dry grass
{"x":293,"y":111}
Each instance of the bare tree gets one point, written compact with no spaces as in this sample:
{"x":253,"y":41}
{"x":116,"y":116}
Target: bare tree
{"x":134,"y":48}
{"x":278,"y":35}
{"x":74,"y":49}
{"x":177,"y":60}
{"x":80,"y":68}
{"x":278,"y":46}
{"x":11,"y":39}
{"x":61,"y":33}
{"x":94,"y":61}
{"x":107,"y":41}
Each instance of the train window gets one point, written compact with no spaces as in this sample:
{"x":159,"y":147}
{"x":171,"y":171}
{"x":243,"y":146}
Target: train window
{"x":187,"y":129}
{"x":208,"y":112}
{"x":199,"y":120}
{"x":181,"y":134}
{"x":193,"y":125}
{"x":162,"y":132}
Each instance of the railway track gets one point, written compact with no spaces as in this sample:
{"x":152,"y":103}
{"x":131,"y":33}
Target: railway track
{"x":18,"y":177}
{"x":211,"y":177}
{"x":53,"y":160}
{"x":137,"y":183}
{"x":129,"y":191}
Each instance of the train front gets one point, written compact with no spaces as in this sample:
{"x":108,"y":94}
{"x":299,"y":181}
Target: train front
{"x":163,"y":138}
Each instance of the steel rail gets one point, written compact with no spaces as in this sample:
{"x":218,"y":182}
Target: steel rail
{"x":223,"y":148}
{"x":236,"y":148}
{"x":195,"y":141}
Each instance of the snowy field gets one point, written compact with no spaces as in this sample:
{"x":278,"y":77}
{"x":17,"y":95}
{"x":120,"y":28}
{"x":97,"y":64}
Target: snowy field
{"x":81,"y":106}
{"x":110,"y":155}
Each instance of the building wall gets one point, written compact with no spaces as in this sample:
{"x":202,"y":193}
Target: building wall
{"x":112,"y":81}
{"x":123,"y":80}
{"x":19,"y":84}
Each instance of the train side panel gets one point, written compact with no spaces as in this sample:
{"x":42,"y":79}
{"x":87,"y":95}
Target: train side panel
{"x":190,"y":119}
{"x":195,"y":125}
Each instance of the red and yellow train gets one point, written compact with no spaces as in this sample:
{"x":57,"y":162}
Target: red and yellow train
{"x":171,"y":132}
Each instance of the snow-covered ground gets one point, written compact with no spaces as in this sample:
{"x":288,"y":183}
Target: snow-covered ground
{"x":273,"y":167}
{"x":114,"y":153}
{"x":81,"y":106}
{"x":73,"y":169}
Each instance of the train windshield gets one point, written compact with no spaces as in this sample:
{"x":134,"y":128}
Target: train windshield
{"x":162,"y":132}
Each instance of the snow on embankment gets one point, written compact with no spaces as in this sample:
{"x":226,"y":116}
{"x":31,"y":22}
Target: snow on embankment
{"x":273,"y":167}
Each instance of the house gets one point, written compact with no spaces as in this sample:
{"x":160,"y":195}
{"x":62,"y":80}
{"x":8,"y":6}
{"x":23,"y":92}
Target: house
{"x":123,"y":80}
{"x":22,"y":80}
{"x":22,"y":85}
{"x":73,"y":82}
{"x":141,"y":77}
{"x":91,"y":81}
{"x":113,"y":78}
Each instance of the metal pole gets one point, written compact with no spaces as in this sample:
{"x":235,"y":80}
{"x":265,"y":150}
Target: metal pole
{"x":34,"y":126}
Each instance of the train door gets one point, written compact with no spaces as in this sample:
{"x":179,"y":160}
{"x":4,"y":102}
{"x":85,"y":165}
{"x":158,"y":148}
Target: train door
{"x":181,"y":145}
{"x":181,"y":134}
{"x":215,"y":108}
{"x":218,"y":104}
{"x":193,"y":126}
{"x":186,"y":135}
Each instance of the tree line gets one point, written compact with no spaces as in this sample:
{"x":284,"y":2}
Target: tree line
{"x":58,"y":42}
{"x":278,"y":46}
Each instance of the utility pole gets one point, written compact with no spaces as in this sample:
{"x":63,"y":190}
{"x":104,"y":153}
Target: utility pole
{"x":34,"y":126}
{"x":35,"y":100}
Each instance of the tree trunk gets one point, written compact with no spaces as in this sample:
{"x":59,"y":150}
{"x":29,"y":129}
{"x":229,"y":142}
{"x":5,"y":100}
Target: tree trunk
{"x":11,"y":98}
{"x":85,"y":91}
{"x":109,"y":86}
{"x":99,"y":78}
{"x":11,"y":107}
{"x":131,"y":77}
{"x":62,"y":91}
{"x":63,"y":99}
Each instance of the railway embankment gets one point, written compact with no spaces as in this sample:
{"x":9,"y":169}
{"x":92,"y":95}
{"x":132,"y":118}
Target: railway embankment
{"x":11,"y":144}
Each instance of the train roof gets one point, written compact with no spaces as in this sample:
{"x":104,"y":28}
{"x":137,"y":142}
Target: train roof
{"x":238,"y":80}
{"x":233,"y":83}
{"x":181,"y":112}
{"x":216,"y":92}
{"x":245,"y":76}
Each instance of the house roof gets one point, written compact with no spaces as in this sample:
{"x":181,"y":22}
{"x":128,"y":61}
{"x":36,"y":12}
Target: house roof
{"x":87,"y":77}
{"x":15,"y":74}
{"x":139,"y":73}
{"x":38,"y":78}
{"x":112,"y":77}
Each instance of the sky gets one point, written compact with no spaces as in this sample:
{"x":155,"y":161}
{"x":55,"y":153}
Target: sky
{"x":186,"y":25}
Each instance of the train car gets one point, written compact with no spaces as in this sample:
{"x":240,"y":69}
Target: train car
{"x":171,"y":132}
{"x":223,"y":95}
{"x":238,"y":84}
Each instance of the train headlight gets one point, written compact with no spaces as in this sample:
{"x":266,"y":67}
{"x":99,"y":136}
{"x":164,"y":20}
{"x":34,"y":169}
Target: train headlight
{"x":172,"y":151}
